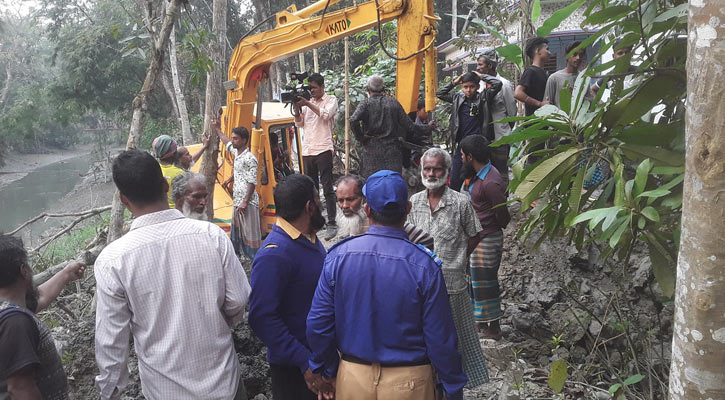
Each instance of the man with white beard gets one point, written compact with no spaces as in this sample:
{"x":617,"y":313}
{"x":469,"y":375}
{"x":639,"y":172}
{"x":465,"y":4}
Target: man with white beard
{"x":352,"y":220}
{"x":450,"y":218}
{"x":188,"y":190}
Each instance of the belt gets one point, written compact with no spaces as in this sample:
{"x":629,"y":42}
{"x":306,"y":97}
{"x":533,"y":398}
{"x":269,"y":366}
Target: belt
{"x":358,"y":360}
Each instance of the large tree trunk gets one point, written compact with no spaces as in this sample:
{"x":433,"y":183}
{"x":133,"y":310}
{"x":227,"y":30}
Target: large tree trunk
{"x":179,"y":93}
{"x":698,"y":344}
{"x":140,"y":105}
{"x":214,"y":93}
{"x":169,"y":89}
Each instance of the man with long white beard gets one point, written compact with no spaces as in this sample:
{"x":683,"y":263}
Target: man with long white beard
{"x":189,"y":193}
{"x":450,"y":218}
{"x":352,"y":220}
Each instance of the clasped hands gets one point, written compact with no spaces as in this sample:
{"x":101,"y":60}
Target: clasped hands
{"x":323,"y":387}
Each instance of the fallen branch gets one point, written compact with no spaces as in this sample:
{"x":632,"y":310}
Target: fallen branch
{"x":87,"y":257}
{"x":86,"y":214}
{"x":67,"y":229}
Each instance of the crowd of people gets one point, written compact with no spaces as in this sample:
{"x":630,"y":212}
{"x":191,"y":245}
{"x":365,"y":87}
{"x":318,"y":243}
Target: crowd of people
{"x":393,"y":310}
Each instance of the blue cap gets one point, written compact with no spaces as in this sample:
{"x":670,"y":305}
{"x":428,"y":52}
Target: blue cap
{"x":386,"y":192}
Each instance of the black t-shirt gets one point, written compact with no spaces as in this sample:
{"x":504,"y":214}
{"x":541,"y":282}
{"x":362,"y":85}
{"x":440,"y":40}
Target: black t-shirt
{"x":469,"y":119}
{"x":534,"y":80}
{"x":19,"y":339}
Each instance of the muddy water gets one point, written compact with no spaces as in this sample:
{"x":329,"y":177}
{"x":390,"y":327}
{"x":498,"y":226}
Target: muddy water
{"x":27,"y":197}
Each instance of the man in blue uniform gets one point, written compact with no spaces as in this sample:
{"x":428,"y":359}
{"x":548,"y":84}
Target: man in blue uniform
{"x":382,"y":302}
{"x":284,"y":277}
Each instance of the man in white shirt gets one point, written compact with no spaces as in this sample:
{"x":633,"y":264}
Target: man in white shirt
{"x":316,"y":117}
{"x":502,"y":106}
{"x":176,"y":285}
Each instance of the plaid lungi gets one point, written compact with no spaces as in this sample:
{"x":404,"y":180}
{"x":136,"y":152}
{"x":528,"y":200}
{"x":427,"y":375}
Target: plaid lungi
{"x":249,"y":237}
{"x":485,"y":291}
{"x":474,"y":364}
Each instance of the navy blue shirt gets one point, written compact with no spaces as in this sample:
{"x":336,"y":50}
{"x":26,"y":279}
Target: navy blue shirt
{"x":285,"y":272}
{"x":469,"y":117}
{"x":383,"y":299}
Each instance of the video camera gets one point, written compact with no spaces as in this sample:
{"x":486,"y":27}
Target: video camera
{"x":293,"y":93}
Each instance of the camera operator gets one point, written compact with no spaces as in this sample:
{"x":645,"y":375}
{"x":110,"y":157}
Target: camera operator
{"x":317,"y":117}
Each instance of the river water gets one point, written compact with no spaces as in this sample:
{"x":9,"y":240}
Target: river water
{"x":29,"y":196}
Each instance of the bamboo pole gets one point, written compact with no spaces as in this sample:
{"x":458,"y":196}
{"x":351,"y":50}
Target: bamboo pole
{"x":347,"y":108}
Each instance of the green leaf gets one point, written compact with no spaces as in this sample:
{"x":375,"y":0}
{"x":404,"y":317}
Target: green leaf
{"x":648,"y":134}
{"x":565,"y":100}
{"x":575,"y":195}
{"x":643,"y":99}
{"x":654,"y":193}
{"x":557,"y":17}
{"x":633,"y":379}
{"x":641,"y":222}
{"x":511,"y":52}
{"x":673,"y":202}
{"x":667,"y":170}
{"x":558,"y":375}
{"x":547,"y":110}
{"x":543,"y":174}
{"x":663,"y":156}
{"x":587,"y":215}
{"x":651,"y":214}
{"x":536,"y":11}
{"x":614,"y":388}
{"x":619,"y":188}
{"x":611,"y":13}
{"x":663,"y":265}
{"x":680,"y":12}
{"x":640,"y":179}
{"x":610,"y":217}
{"x":614,"y":240}
{"x":520,"y":137}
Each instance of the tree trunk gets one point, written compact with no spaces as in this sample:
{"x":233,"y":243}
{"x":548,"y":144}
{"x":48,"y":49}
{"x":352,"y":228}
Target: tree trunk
{"x":140,"y":105}
{"x":698,"y":344}
{"x":169,"y":89}
{"x":214,"y":94}
{"x":454,"y":18}
{"x":6,"y":86}
{"x":180,"y":100}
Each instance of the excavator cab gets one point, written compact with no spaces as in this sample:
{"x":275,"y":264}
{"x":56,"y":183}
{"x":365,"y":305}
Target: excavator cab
{"x":277,"y":147}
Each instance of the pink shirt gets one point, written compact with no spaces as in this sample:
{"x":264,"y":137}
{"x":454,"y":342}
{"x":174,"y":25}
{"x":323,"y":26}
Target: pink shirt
{"x":318,"y":129}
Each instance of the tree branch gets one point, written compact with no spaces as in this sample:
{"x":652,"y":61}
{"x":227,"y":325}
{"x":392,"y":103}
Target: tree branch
{"x":83,"y":214}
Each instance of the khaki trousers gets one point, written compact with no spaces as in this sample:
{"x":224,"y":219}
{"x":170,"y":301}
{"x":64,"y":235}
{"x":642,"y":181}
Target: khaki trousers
{"x":372,"y":382}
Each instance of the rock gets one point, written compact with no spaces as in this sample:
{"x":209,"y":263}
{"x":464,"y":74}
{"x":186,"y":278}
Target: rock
{"x":642,"y":271}
{"x":569,"y":322}
{"x":584,"y":287}
{"x":595,"y":327}
{"x":543,"y":288}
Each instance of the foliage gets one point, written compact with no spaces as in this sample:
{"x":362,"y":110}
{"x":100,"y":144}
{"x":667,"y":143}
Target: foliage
{"x":558,"y":375}
{"x":634,"y":138}
{"x":617,"y":390}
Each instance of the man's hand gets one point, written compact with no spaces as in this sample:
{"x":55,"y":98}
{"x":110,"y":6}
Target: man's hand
{"x":458,"y":80}
{"x":327,"y":390}
{"x":543,"y":103}
{"x":301,"y":101}
{"x":242,"y":207}
{"x":74,"y":271}
{"x":205,"y":141}
{"x":216,"y":123}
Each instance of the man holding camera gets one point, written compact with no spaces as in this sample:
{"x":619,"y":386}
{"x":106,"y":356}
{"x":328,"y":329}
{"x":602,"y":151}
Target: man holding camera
{"x":317,"y":117}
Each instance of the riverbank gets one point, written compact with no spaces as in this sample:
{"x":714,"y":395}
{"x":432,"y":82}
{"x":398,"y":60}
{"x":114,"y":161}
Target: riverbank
{"x":18,"y":165}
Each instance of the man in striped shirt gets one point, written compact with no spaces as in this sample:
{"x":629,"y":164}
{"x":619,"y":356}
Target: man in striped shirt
{"x":351,"y":219}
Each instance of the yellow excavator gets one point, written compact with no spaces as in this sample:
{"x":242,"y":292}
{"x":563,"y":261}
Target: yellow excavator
{"x":297,"y":31}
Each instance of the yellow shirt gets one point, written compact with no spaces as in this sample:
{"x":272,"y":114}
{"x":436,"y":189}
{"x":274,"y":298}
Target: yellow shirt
{"x":293,"y":232}
{"x":170,"y":171}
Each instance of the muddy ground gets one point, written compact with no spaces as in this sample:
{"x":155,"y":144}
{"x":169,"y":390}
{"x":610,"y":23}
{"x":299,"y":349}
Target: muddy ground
{"x":606,"y":321}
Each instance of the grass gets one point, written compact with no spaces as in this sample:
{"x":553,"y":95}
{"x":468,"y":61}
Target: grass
{"x":67,"y":246}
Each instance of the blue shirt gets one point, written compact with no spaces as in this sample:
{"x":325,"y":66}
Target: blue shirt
{"x":284,"y":277}
{"x":383,"y":299}
{"x":469,"y":117}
